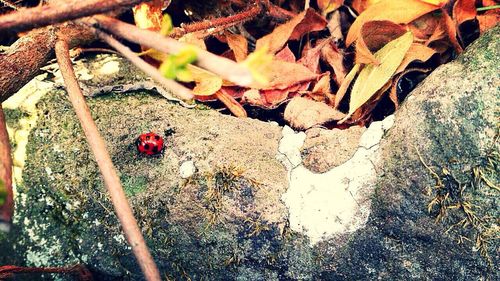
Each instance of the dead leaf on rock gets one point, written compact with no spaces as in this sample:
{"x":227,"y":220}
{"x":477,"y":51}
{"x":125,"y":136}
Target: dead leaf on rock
{"x":302,"y":113}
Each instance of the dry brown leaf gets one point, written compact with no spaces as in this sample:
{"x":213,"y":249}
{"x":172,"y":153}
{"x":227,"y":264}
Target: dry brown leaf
{"x":310,"y":59}
{"x":334,"y":26}
{"x":301,"y":24}
{"x":286,"y":55}
{"x":238,"y":43}
{"x":304,"y":113}
{"x":490,"y":18}
{"x":282,"y":74}
{"x":488,"y":21}
{"x":372,"y":77}
{"x":451,"y":30}
{"x":425,"y":26}
{"x":231,"y":104}
{"x":395,"y":11}
{"x":373,"y":36}
{"x":331,"y":54}
{"x":417,"y":52}
{"x":322,"y":91}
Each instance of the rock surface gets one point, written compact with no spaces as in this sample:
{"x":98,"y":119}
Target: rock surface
{"x":233,"y":199}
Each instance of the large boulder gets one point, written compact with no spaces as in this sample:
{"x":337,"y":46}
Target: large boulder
{"x":414,"y":197}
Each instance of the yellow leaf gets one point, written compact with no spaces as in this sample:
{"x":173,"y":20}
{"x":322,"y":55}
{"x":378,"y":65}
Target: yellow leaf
{"x":257,"y":62}
{"x":374,"y":77}
{"x":207,"y":83}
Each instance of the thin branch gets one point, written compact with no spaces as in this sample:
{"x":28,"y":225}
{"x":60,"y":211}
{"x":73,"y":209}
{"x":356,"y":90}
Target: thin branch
{"x":7,"y":209}
{"x":223,"y":67}
{"x":83,"y":274}
{"x":9,"y":4}
{"x":111,"y":179}
{"x":176,"y":88}
{"x":59,"y":11}
{"x":246,"y":15}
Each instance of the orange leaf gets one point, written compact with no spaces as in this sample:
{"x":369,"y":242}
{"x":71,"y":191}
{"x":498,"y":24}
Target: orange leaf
{"x":488,"y":21}
{"x":375,"y":35}
{"x":238,"y":43}
{"x":464,"y":10}
{"x":425,"y":26}
{"x":451,"y":30}
{"x":417,"y":52}
{"x":301,"y":24}
{"x":231,"y":104}
{"x":395,"y":11}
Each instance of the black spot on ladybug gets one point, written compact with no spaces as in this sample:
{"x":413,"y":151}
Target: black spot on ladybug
{"x":146,"y":146}
{"x":148,"y":137}
{"x":157,"y":137}
{"x":155,"y":150}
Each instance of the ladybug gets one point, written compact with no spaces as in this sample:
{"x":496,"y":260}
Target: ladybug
{"x":150,"y":144}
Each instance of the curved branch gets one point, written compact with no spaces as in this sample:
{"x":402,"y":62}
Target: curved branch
{"x":111,"y":179}
{"x":59,"y":11}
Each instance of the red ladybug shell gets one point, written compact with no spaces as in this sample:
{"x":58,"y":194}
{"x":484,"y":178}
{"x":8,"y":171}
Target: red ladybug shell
{"x":150,"y":144}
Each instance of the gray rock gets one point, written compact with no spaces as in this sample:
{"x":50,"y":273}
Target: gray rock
{"x":228,"y":221}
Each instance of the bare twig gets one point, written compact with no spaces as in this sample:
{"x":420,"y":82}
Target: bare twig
{"x":246,"y":15}
{"x":8,"y":271}
{"x":9,"y":4}
{"x":223,"y":67}
{"x":111,"y":179}
{"x":59,"y":11}
{"x":7,"y":209}
{"x":176,"y":88}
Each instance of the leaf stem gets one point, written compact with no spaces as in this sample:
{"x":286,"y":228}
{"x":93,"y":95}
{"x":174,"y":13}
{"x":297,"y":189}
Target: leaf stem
{"x":487,"y":8}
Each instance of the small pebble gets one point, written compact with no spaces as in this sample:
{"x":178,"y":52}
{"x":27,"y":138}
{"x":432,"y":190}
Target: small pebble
{"x":187,"y":169}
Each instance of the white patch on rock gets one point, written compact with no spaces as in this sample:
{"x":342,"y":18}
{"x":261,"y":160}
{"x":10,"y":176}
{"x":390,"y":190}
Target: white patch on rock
{"x":187,"y":169}
{"x":290,"y":145}
{"x":337,"y":201}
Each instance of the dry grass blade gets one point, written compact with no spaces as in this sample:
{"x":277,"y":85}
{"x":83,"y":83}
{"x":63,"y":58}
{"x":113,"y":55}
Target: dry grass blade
{"x":111,"y":179}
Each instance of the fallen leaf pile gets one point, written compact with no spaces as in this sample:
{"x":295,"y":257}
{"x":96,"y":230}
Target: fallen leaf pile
{"x":332,"y":61}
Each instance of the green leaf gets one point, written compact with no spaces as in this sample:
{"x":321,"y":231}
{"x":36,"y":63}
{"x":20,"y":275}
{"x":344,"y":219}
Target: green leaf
{"x":373,"y":77}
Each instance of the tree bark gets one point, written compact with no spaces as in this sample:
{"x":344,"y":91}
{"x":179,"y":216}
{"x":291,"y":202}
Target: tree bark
{"x":23,"y":60}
